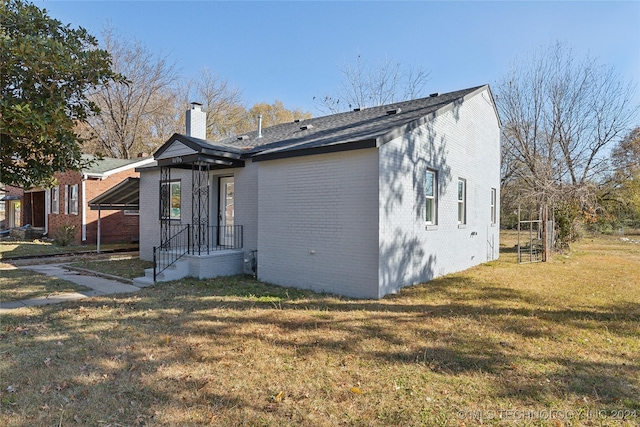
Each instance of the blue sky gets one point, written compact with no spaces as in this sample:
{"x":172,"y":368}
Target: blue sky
{"x":291,"y":50}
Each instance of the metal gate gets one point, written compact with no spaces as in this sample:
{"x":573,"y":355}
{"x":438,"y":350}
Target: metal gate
{"x":535,"y":235}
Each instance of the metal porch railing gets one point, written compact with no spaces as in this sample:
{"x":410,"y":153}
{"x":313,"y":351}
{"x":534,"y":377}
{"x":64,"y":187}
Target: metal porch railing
{"x":195,"y":240}
{"x":170,"y":251}
{"x":207,"y":239}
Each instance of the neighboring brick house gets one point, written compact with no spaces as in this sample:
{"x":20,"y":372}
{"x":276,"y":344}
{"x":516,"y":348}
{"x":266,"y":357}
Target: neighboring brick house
{"x":65,"y":204}
{"x":10,"y":207}
{"x":360,"y":203}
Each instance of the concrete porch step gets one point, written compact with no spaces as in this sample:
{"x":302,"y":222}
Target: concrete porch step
{"x":143,"y":282}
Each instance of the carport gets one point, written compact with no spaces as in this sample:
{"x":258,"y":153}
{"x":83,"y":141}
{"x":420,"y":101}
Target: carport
{"x":124,"y":196}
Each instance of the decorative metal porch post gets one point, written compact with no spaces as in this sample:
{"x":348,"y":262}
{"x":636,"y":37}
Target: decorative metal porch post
{"x":165,"y":205}
{"x":200,"y":207}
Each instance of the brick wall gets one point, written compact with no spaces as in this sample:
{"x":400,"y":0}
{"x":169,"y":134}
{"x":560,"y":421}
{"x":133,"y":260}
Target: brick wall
{"x":115,"y":226}
{"x":246,"y":199}
{"x":59,"y":220}
{"x":461,"y":143}
{"x":318,"y":222}
{"x":149,"y":212}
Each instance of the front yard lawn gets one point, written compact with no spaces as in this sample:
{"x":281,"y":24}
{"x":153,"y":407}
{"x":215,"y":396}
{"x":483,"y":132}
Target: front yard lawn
{"x":127,"y":268}
{"x":10,"y":249}
{"x":21,"y":284}
{"x":554,"y":344}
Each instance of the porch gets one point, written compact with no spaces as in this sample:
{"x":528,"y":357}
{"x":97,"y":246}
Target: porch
{"x":198,"y":232}
{"x":197,"y":251}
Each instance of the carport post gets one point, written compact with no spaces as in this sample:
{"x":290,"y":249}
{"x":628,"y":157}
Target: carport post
{"x":98,"y":243}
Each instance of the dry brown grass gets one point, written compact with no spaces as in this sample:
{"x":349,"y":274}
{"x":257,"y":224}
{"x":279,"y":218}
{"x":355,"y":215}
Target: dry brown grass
{"x":521,"y":339}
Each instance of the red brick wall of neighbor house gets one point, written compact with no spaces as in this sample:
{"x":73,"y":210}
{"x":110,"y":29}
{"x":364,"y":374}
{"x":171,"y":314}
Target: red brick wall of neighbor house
{"x":58,"y":220}
{"x":115,"y":226}
{"x":14,"y":191}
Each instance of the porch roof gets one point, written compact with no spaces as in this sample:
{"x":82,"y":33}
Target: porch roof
{"x":124,"y":196}
{"x":186,"y":150}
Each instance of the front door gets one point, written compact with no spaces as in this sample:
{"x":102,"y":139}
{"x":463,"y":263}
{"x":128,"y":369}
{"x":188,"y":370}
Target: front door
{"x":226,"y":213}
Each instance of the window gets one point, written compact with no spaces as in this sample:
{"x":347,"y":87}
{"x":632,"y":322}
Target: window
{"x":493,"y":206}
{"x":462,"y":201}
{"x":170,"y":200}
{"x":430,"y":194}
{"x":55,"y":200}
{"x":72,"y":199}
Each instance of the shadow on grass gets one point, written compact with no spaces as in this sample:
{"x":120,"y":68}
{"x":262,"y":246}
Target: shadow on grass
{"x":477,"y":329}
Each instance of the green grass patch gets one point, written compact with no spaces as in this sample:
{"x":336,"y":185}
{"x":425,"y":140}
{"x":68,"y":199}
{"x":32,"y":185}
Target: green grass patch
{"x":127,"y":268}
{"x":19,"y":284}
{"x":10,"y":249}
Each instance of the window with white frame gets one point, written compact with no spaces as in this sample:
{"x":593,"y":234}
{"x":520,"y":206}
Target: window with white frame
{"x":462,"y":201}
{"x":55,"y":200}
{"x":72,"y":199}
{"x":431,"y":197}
{"x":493,"y":206}
{"x":170,"y":199}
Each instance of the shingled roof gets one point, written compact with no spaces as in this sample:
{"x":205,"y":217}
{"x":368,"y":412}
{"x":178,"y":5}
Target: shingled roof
{"x":363,"y":128}
{"x":100,"y":166}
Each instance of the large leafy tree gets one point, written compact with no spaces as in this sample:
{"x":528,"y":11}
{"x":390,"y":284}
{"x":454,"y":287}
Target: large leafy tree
{"x":46,"y":71}
{"x":620,"y":192}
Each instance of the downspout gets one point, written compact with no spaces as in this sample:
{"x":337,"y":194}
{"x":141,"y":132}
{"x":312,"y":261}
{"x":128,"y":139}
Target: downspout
{"x":47,"y":210}
{"x":33,"y":210}
{"x":83,"y":206}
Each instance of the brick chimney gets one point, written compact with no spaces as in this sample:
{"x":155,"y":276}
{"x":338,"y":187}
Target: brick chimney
{"x":196,"y":121}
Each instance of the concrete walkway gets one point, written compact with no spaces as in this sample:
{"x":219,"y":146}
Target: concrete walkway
{"x":97,"y":285}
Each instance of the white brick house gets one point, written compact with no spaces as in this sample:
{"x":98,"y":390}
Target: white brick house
{"x":359,"y":204}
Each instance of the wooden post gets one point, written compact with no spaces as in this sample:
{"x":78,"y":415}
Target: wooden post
{"x":519,"y":234}
{"x":547,"y":235}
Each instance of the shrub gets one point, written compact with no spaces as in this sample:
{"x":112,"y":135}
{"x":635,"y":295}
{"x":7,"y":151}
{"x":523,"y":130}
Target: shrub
{"x":65,"y":234}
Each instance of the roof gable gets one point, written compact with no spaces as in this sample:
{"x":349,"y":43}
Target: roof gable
{"x":174,"y":148}
{"x":180,"y":149}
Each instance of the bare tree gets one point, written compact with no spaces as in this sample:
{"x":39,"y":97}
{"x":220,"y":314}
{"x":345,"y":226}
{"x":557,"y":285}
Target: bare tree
{"x":560,"y":116}
{"x":226,"y":114}
{"x":136,"y":114}
{"x":364,"y":85}
{"x":221,"y":101}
